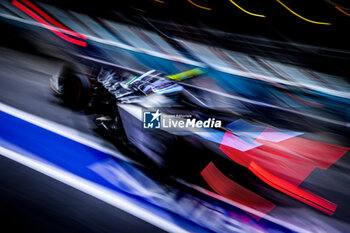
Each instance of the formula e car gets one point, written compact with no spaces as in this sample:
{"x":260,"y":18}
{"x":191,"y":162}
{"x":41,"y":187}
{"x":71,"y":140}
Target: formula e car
{"x":238,"y":156}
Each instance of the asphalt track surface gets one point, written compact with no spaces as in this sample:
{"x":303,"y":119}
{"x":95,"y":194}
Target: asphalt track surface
{"x":25,"y":86}
{"x":31,"y":201}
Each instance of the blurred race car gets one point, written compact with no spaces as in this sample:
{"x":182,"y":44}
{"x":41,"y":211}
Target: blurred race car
{"x":241,"y":159}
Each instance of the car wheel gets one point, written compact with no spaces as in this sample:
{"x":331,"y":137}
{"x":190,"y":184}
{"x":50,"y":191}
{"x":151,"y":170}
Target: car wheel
{"x":76,"y":89}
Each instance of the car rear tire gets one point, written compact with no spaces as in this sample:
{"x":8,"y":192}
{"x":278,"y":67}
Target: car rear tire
{"x":76,"y":88}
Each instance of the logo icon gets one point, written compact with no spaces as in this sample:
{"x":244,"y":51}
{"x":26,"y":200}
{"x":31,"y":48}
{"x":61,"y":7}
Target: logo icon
{"x":152,"y":120}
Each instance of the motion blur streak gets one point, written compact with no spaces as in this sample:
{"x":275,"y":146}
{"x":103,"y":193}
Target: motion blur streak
{"x":285,"y":164}
{"x":231,"y":190}
{"x":70,"y":133}
{"x":294,"y":191}
{"x":91,"y":189}
{"x":202,"y":7}
{"x":336,"y":4}
{"x":53,"y":21}
{"x":313,"y":153}
{"x":48,"y":26}
{"x":249,"y":13}
{"x":342,"y":11}
{"x":303,"y":100}
{"x":308,"y":20}
{"x":159,"y":1}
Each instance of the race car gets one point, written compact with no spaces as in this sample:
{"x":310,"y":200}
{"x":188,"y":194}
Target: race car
{"x":234,"y":155}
